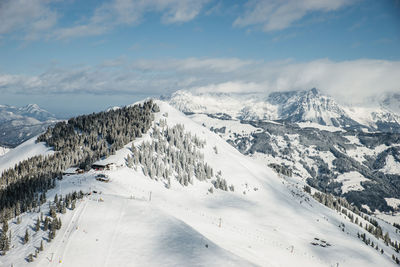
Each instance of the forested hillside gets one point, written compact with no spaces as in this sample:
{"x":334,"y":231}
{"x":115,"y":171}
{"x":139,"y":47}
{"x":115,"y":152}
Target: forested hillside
{"x":173,"y":152}
{"x":80,"y":141}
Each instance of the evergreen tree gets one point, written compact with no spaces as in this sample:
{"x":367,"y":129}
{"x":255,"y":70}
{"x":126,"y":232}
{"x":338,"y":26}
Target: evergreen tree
{"x":4,"y":242}
{"x":386,"y":239}
{"x":5,"y":225}
{"x":46,"y":224}
{"x":26,"y":237}
{"x":37,"y":225}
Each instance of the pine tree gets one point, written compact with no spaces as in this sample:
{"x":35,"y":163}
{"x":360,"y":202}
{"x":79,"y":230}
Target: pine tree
{"x":41,"y":245}
{"x":4,"y":242}
{"x":46,"y":224}
{"x":5,"y":225}
{"x":53,"y":212}
{"x":37,"y":225}
{"x":59,"y":224}
{"x":386,"y":239}
{"x":52,"y":234}
{"x":26,"y":237}
{"x":64,"y":208}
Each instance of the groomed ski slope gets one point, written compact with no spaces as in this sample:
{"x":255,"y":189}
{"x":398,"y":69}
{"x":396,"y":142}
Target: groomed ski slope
{"x":266,"y":221}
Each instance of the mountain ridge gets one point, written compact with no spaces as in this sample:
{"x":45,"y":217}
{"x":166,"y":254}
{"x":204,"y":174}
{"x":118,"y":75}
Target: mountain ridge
{"x":18,"y":124}
{"x":347,"y":151}
{"x":293,"y":106}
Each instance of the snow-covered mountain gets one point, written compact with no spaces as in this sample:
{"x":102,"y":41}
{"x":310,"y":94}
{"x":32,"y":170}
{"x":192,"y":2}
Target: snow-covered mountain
{"x":348,"y":151}
{"x":310,"y":106}
{"x":294,"y":106}
{"x":391,"y":101}
{"x":144,"y":219}
{"x":18,"y":124}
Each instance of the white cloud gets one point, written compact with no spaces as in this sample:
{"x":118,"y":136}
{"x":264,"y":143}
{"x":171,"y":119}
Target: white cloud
{"x":32,"y":17}
{"x":350,"y":81}
{"x":36,"y":19}
{"x":131,"y":12}
{"x":221,"y":65}
{"x":237,"y":87}
{"x":277,"y":14}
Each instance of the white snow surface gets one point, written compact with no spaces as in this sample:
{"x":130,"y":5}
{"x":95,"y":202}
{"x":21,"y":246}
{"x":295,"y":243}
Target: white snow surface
{"x":22,"y":152}
{"x":267,"y":221}
{"x":3,"y":150}
{"x":393,"y":202}
{"x":392,"y":166}
{"x":244,"y":106}
{"x":351,"y":181}
{"x":319,"y":126}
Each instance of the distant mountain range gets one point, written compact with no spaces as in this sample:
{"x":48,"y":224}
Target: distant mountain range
{"x":18,"y":124}
{"x":348,"y":151}
{"x":293,"y":106}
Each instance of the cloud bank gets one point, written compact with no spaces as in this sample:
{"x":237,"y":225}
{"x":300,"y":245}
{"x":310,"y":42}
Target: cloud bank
{"x":352,"y":81}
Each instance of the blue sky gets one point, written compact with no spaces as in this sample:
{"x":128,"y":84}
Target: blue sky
{"x":74,"y":56}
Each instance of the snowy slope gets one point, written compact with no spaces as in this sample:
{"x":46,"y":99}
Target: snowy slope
{"x":3,"y":150}
{"x":24,"y":151}
{"x":267,"y":221}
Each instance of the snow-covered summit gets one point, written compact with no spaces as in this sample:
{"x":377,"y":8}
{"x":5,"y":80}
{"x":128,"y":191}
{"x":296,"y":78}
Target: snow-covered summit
{"x":18,"y":124}
{"x":308,"y":106}
{"x":32,"y":111}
